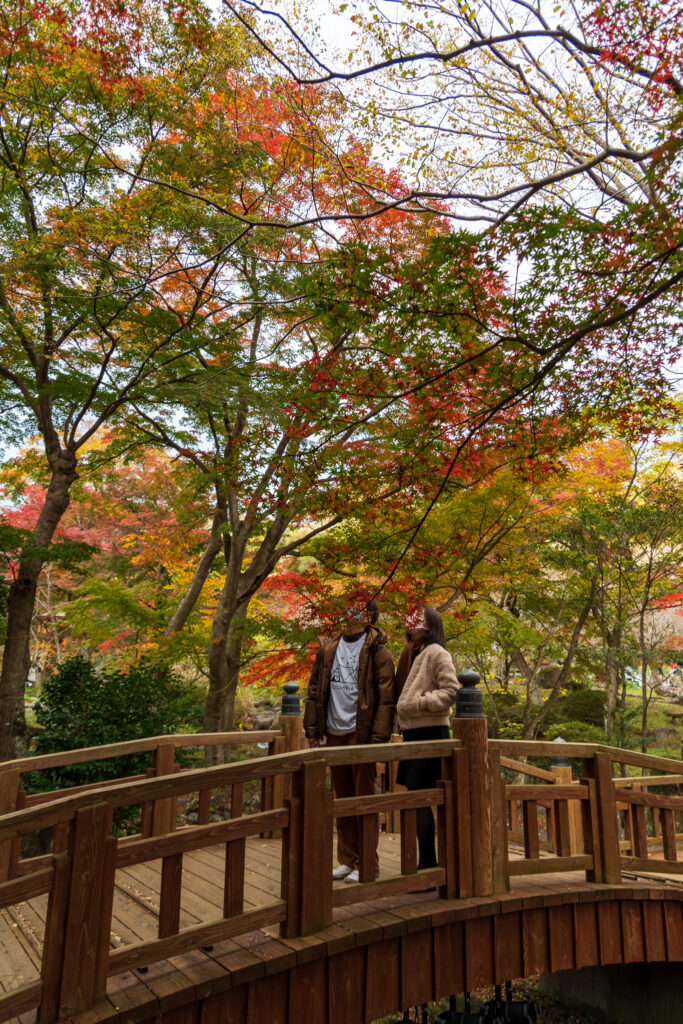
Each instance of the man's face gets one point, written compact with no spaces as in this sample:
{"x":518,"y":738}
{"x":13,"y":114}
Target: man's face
{"x":355,"y":619}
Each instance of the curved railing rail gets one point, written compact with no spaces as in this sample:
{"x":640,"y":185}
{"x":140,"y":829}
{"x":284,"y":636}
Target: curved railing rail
{"x":490,"y":830}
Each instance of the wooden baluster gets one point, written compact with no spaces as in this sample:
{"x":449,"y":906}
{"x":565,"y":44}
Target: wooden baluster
{"x":289,"y":871}
{"x":367,"y":860}
{"x":393,"y":818}
{"x":460,"y":773}
{"x":204,"y":808}
{"x":628,"y":826}
{"x":656,"y":830}
{"x":147,"y":810}
{"x":9,"y":789}
{"x":15,"y":846}
{"x":233,"y":890}
{"x":445,"y":815}
{"x":499,"y":836}
{"x":591,"y":828}
{"x":669,"y":834}
{"x":562,"y":836}
{"x":236,"y":799}
{"x":408,"y":841}
{"x":235,"y":858}
{"x":170,"y":895}
{"x":273,"y":786}
{"x":165,"y":811}
{"x":277,"y":794}
{"x":530,"y":819}
{"x":640,"y":848}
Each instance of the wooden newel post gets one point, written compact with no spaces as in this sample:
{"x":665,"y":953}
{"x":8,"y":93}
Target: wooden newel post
{"x":291,"y":725}
{"x":470,"y":727}
{"x":307,"y":853}
{"x":600,"y":820}
{"x":78,"y":924}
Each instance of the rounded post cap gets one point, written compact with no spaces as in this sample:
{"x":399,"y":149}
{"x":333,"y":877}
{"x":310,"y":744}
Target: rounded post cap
{"x":291,"y":705}
{"x":468,"y":700}
{"x":560,"y":762}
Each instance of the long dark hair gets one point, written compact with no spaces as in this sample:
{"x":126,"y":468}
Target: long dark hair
{"x":435,"y":633}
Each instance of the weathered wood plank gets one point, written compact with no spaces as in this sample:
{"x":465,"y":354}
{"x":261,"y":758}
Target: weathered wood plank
{"x":142,"y":953}
{"x":26,"y":886}
{"x":350,"y":806}
{"x":549,"y":865}
{"x":132,"y":851}
{"x":19,"y":1000}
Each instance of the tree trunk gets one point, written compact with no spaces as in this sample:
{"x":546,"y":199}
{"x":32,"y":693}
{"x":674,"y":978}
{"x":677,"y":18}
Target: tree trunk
{"x":21,"y":604}
{"x":613,"y":660}
{"x":233,"y":658}
{"x":224,"y":670}
{"x":643,"y":681}
{"x":191,"y":596}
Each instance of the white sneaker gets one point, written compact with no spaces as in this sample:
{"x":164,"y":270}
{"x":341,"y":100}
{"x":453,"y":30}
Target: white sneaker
{"x":341,"y":871}
{"x":352,"y":876}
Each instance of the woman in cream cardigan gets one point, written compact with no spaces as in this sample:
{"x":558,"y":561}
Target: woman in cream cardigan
{"x":427,"y":684}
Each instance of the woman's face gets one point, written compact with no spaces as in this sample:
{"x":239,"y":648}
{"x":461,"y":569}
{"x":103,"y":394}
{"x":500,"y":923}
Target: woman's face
{"x":416,"y":620}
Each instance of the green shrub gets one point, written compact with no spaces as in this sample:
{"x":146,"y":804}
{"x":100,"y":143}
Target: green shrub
{"x":82,"y":706}
{"x":576,"y":732}
{"x":582,"y":705}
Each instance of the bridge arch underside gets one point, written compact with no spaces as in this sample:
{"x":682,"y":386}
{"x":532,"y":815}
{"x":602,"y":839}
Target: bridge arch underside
{"x":381,"y":961}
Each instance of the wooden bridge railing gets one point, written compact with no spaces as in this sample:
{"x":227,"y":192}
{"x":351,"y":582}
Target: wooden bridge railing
{"x":490,"y":830}
{"x":157,"y":816}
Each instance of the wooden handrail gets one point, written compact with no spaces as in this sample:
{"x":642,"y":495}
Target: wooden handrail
{"x":645,"y":781}
{"x":31,"y":819}
{"x":526,"y":769}
{"x":85,"y":755}
{"x":543,"y":748}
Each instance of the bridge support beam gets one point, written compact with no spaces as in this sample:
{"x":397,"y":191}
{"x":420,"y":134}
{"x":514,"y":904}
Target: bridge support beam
{"x":628,"y":994}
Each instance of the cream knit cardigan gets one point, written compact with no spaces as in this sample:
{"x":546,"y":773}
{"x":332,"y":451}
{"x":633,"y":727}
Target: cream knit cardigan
{"x":429,"y":690}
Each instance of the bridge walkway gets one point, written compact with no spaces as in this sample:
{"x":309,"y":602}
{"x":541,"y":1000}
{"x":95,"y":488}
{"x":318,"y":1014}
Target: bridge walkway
{"x":164,"y":987}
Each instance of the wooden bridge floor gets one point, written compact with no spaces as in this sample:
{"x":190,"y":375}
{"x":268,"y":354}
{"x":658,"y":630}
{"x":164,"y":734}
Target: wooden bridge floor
{"x":260,"y":953}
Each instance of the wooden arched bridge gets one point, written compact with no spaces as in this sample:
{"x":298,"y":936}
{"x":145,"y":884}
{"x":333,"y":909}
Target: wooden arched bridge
{"x":238,"y":920}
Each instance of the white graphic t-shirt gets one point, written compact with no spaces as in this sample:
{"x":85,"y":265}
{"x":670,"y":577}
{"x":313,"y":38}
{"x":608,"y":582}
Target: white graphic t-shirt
{"x":343,"y":699}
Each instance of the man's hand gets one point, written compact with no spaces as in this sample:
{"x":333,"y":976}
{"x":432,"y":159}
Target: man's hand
{"x":313,"y":741}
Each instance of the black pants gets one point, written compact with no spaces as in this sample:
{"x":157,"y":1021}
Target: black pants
{"x":423,"y":773}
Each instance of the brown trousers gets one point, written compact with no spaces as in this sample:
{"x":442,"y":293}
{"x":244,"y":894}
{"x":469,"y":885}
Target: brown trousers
{"x":352,"y":780}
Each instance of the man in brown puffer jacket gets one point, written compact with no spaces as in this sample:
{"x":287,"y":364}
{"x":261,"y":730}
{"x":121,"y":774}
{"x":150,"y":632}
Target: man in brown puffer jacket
{"x":351,"y":699}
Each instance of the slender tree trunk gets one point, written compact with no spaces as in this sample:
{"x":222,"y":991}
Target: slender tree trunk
{"x":613,"y":660}
{"x":643,"y":682}
{"x":233,"y":658}
{"x":21,"y":604}
{"x":191,"y":596}
{"x":216,"y":698}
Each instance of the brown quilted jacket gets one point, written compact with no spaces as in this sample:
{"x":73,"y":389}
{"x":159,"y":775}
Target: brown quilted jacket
{"x":376,"y":692}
